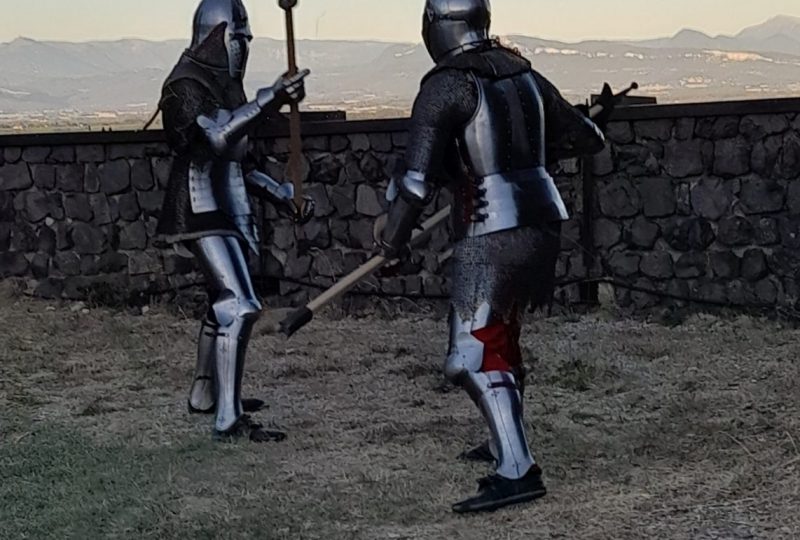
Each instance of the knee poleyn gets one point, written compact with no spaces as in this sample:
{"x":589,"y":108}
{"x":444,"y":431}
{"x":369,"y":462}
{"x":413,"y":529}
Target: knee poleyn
{"x":230,"y":310}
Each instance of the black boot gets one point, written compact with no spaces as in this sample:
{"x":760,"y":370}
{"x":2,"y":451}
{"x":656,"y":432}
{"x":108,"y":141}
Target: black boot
{"x":245,"y":427}
{"x":495,"y":492}
{"x":480,"y":453}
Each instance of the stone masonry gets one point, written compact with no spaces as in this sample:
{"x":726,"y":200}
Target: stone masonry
{"x":696,"y":201}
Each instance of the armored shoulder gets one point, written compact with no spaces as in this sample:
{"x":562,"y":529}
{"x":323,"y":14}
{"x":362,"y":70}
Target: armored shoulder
{"x":182,"y":102}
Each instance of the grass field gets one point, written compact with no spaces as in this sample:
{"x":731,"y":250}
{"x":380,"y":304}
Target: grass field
{"x":643,"y":430}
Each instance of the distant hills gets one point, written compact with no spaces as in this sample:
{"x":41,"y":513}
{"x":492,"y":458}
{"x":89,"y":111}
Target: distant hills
{"x":366,"y":77}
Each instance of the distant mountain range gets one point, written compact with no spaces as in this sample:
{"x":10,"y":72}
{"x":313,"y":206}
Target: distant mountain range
{"x":365,"y":77}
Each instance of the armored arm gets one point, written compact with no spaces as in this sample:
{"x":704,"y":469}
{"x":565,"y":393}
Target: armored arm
{"x":281,"y":195}
{"x":569,"y":132}
{"x":446,"y":101}
{"x":224,"y":129}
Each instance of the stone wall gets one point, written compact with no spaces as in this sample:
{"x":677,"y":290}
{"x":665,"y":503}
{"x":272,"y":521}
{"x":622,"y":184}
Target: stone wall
{"x":693,"y":200}
{"x":704,"y":207}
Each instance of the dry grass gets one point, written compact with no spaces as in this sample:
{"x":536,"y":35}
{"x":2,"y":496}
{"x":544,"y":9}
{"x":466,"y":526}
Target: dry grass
{"x":643,"y":431}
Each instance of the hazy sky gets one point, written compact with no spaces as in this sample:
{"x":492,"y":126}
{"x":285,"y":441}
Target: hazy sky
{"x":391,"y":20}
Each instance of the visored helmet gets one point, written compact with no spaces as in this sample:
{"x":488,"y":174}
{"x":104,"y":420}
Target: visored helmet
{"x":212,"y":13}
{"x":453,"y":26}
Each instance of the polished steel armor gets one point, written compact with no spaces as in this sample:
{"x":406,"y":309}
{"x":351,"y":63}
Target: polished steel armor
{"x":454,"y":26}
{"x":212,"y":13}
{"x":207,"y":119}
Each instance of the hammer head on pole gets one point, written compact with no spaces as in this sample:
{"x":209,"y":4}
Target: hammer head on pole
{"x":287,"y":4}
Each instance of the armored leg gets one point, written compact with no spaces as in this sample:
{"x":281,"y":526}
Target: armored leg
{"x":235,"y":309}
{"x":480,"y":349}
{"x":202,"y":397}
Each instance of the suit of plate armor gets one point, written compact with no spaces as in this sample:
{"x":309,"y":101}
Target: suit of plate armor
{"x":487,"y":124}
{"x":207,"y":208}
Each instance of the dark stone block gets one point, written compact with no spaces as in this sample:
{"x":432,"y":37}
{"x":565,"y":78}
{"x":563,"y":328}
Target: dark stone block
{"x":619,"y":199}
{"x":766,"y":292}
{"x":62,"y":154}
{"x":77,"y":206}
{"x":368,"y":201}
{"x":732,"y":157}
{"x":785,"y":263}
{"x":607,"y":233}
{"x":49,"y":289}
{"x":47,"y":242}
{"x":23,"y":237}
{"x":339,"y":231}
{"x":100,"y":208}
{"x":620,"y":132}
{"x":5,"y":236}
{"x":319,"y":144}
{"x":68,"y":263}
{"x":643,"y":233}
{"x":323,"y":206}
{"x":371,"y":168}
{"x":684,"y":158}
{"x":327,"y":170}
{"x":12,"y":154}
{"x":44,"y":176}
{"x":361,"y":233}
{"x":115,"y":176}
{"x":359,"y":142}
{"x":790,"y":232}
{"x":691,"y":265}
{"x":15,"y":177}
{"x":88,"y":239}
{"x":127,"y":206}
{"x":317,"y":233}
{"x":123,"y":151}
{"x":765,"y":155}
{"x":755,"y":127}
{"x":754,"y":265}
{"x":38,"y":205}
{"x":161,"y":167}
{"x":90,"y":153}
{"x":113,"y":262}
{"x":789,"y":162}
{"x":760,"y":196}
{"x":712,"y":198}
{"x":690,"y":234}
{"x":400,"y":139}
{"x":339,"y":143}
{"x":151,"y":202}
{"x":381,"y":142}
{"x":684,"y":128}
{"x":13,"y":263}
{"x":603,"y":162}
{"x":736,"y":231}
{"x":40,"y":266}
{"x":723,"y":127}
{"x":35,"y":154}
{"x":624,"y":264}
{"x":6,"y":206}
{"x":767,"y":232}
{"x":343,"y":200}
{"x":725,"y":264}
{"x":69,"y":178}
{"x":351,"y":173}
{"x":141,"y":175}
{"x":658,"y":197}
{"x":133,"y":236}
{"x":141,"y":263}
{"x":657,"y":265}
{"x":654,"y":129}
{"x":91,"y":178}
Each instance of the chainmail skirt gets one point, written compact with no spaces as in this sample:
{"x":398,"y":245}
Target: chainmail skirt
{"x":509,"y":270}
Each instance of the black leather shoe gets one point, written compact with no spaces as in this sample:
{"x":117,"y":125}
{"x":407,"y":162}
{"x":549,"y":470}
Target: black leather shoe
{"x":495,"y":492}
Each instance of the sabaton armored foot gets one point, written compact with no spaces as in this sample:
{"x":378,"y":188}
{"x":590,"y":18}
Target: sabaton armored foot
{"x":496,"y":492}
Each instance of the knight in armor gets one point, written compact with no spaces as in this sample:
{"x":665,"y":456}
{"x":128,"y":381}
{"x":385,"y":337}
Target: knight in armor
{"x":206,"y":211}
{"x":487,"y":125}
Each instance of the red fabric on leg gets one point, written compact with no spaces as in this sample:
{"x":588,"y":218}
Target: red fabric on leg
{"x":501,"y":347}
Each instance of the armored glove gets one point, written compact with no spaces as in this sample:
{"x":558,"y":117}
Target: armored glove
{"x":304,"y":214}
{"x":608,"y":101}
{"x":287,"y":89}
{"x":386,"y":249}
